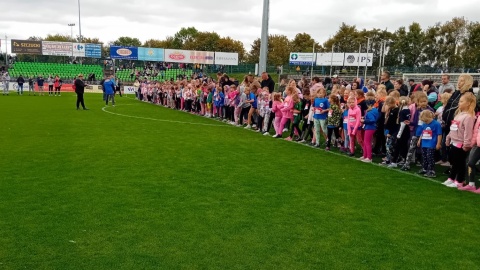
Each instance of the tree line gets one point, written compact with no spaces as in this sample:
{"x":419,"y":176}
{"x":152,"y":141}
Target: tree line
{"x":455,"y":43}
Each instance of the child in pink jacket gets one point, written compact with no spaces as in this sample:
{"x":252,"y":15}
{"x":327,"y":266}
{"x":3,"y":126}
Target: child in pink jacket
{"x":460,"y":140}
{"x":277,"y":109}
{"x":287,"y":109}
{"x":354,"y":117}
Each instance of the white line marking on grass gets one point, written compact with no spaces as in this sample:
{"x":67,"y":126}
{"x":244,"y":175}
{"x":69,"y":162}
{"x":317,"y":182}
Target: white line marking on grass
{"x":161,"y":120}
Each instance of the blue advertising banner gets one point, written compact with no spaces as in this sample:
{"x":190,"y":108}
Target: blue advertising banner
{"x":93,"y":50}
{"x":151,"y":54}
{"x":122,"y":52}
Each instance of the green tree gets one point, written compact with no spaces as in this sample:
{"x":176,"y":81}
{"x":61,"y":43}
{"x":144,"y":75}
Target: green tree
{"x":127,"y":41}
{"x":183,"y":36}
{"x":202,"y":41}
{"x":453,"y":34}
{"x":228,"y":44}
{"x":471,"y":56}
{"x":303,"y":42}
{"x":278,"y":50}
{"x":155,"y":43}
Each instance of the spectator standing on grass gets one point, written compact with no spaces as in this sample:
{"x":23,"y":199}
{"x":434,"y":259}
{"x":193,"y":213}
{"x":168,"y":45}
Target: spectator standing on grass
{"x":40,"y":83}
{"x":80,"y":90}
{"x":20,"y":82}
{"x":109,"y":86}
{"x":58,"y":85}
{"x":50,"y":85}
{"x":6,"y":82}
{"x":30,"y":86}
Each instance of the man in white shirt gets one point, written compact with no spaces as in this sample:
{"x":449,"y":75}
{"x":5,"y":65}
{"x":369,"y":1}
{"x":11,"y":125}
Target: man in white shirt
{"x":445,"y":84}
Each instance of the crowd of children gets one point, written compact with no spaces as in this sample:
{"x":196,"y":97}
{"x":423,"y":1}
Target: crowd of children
{"x":404,"y":130}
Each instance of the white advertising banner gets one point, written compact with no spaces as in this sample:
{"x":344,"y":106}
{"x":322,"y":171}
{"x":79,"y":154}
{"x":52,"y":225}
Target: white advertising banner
{"x":228,"y":59}
{"x":200,"y":57}
{"x":178,"y":56}
{"x":302,"y":59}
{"x":329,"y":59}
{"x":79,"y":49}
{"x":356,"y":59}
{"x":129,"y":90}
{"x":57,"y":48}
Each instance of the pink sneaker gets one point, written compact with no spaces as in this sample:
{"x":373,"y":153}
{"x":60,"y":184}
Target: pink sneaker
{"x":288,"y":139}
{"x":476,"y":191}
{"x":467,"y":188}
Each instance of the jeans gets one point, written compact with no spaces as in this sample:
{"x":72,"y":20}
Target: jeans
{"x":319,"y":124}
{"x":20,"y":89}
{"x":110,"y":97}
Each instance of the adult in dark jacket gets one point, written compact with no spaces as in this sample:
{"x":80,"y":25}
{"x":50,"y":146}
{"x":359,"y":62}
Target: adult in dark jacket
{"x":80,"y":90}
{"x":20,"y":82}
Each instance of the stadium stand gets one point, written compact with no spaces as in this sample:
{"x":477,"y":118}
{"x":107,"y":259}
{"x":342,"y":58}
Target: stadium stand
{"x":65,"y":71}
{"x":125,"y":75}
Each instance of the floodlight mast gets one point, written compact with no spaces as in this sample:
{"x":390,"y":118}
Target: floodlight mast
{"x":264,"y":39}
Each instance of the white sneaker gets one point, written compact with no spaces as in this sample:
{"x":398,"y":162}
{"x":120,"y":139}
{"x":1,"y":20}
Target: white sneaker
{"x":367,"y":160}
{"x":248,"y":126}
{"x":446,"y":164}
{"x":285,"y":130}
{"x":266,"y":134}
{"x":448,"y":182}
{"x":453,"y":185}
{"x":254,"y":126}
{"x":361,"y":158}
{"x":393,"y":165}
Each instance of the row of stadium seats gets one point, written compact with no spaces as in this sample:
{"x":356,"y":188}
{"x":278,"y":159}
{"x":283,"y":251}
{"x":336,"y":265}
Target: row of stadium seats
{"x":69,"y":71}
{"x":124,"y":75}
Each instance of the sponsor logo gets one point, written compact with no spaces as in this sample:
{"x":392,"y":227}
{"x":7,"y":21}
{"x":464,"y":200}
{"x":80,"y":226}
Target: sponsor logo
{"x":124,"y":52}
{"x":227,"y":58}
{"x":201,"y":57}
{"x":26,"y":45}
{"x":150,"y":52}
{"x":351,"y":59}
{"x":176,"y":56}
{"x":79,"y":47}
{"x":294,"y":56}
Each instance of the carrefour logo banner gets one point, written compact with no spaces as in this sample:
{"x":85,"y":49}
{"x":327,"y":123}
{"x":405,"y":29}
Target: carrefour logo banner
{"x":302,"y":59}
{"x":151,"y":54}
{"x":123,"y":52}
{"x":78,"y":49}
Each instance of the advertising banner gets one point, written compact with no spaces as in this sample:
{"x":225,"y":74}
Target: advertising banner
{"x":122,"y":52}
{"x":93,"y":50}
{"x":178,"y":56}
{"x":356,"y":59}
{"x":26,"y":46}
{"x":151,"y":54}
{"x":200,"y":57}
{"x":57,"y":48}
{"x":78,"y":49}
{"x":302,"y":59}
{"x":129,"y":90}
{"x":229,"y":59}
{"x":327,"y":59}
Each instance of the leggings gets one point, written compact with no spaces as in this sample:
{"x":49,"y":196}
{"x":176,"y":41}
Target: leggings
{"x":243,"y":113}
{"x":458,"y":159}
{"x":50,"y":89}
{"x":282,"y":124}
{"x":308,"y":130}
{"x":473,"y":158}
{"x":277,"y":126}
{"x":330,"y":131}
{"x":295,"y":126}
{"x":266,"y":121}
{"x":428,"y":159}
{"x":367,"y":143}
{"x":401,"y":147}
{"x":57,"y":90}
{"x":188,"y":104}
{"x":389,"y":145}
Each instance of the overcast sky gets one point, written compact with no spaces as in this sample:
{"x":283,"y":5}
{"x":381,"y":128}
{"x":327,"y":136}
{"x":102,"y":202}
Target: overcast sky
{"x":239,"y":19}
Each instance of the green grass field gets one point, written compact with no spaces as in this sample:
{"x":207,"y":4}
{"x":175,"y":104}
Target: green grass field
{"x":152,"y":188}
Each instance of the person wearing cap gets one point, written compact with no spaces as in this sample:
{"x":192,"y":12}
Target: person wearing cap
{"x":80,"y":90}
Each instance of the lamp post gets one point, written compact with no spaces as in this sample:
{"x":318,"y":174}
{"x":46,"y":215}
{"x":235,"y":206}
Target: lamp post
{"x":79,"y":23}
{"x":71,"y":30}
{"x":264,"y":38}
